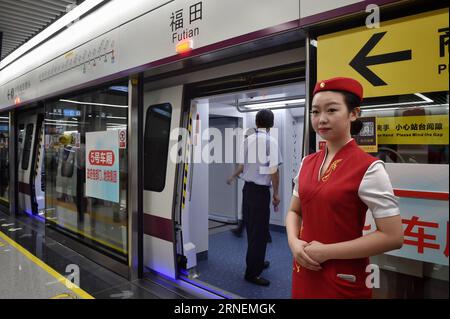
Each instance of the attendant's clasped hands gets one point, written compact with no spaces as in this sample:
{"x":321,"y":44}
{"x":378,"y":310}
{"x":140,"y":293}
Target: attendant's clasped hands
{"x":309,"y":255}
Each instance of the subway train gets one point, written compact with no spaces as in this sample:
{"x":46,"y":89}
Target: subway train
{"x":118,"y":120}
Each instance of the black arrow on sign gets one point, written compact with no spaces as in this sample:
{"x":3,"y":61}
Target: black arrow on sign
{"x":361,"y":61}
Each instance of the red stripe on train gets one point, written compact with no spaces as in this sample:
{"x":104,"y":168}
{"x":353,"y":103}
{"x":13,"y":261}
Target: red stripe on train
{"x":159,"y":227}
{"x":24,"y":188}
{"x":421,"y":194}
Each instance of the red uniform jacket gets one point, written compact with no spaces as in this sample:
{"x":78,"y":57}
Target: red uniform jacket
{"x":332,"y":212}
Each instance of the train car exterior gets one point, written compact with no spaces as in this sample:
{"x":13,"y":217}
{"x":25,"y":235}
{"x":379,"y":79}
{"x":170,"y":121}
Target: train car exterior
{"x":89,"y":117}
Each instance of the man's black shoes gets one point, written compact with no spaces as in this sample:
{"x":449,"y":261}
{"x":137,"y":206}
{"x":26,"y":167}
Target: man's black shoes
{"x":237,"y":231}
{"x":260,"y":281}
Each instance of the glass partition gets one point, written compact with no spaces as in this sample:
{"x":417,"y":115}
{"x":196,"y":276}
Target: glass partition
{"x":86,"y":168}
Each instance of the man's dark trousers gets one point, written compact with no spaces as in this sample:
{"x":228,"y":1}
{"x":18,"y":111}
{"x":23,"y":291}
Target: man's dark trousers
{"x":256,"y":214}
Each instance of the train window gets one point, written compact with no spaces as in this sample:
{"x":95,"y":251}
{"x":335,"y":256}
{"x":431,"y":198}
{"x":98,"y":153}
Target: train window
{"x":26,"y":153}
{"x":4,"y":158}
{"x":156,"y":146}
{"x":411,"y":129}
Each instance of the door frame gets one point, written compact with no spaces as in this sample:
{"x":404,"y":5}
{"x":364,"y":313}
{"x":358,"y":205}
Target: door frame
{"x":293,"y":73}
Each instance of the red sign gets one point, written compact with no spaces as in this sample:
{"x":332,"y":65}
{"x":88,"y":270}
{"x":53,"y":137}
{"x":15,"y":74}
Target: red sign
{"x":122,"y":139}
{"x":420,"y":235}
{"x":101,"y":158}
{"x":423,"y":239}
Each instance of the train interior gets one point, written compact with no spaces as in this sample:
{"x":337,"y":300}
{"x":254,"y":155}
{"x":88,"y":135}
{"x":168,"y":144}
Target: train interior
{"x":215,"y":255}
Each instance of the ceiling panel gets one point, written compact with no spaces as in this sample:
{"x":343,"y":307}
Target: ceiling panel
{"x":20,"y":20}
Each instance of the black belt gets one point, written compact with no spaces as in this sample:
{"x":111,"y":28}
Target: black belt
{"x":256,"y":185}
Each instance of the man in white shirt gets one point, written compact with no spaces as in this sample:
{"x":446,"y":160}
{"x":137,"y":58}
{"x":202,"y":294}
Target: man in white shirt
{"x":237,"y":231}
{"x":259,"y":169}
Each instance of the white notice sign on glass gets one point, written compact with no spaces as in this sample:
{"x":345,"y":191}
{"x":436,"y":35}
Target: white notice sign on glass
{"x":102,"y":165}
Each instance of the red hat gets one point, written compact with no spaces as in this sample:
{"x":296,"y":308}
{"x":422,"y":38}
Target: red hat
{"x":340,"y":84}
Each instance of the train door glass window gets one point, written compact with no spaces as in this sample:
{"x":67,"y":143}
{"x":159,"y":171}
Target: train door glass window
{"x":72,"y":124}
{"x":156,"y":146}
{"x":4,"y":158}
{"x":27,"y":146}
{"x":20,"y":138}
{"x":413,"y":130}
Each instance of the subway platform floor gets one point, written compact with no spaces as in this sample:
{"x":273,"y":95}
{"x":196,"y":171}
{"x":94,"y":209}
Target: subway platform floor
{"x":36,"y":267}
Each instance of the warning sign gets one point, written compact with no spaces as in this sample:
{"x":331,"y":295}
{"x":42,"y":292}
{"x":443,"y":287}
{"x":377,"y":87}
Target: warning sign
{"x":403,"y":56}
{"x":417,"y":130}
{"x":122,"y":139}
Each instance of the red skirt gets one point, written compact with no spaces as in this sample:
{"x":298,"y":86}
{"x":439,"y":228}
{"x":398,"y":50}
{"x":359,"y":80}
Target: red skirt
{"x":332,"y":282}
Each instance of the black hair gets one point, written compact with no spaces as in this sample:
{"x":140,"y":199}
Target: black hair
{"x":352,"y":101}
{"x":264,"y":118}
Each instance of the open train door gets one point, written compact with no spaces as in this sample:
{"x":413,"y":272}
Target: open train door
{"x":31,"y":196}
{"x":162,"y":112}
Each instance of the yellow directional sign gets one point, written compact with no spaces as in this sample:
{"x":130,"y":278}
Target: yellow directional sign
{"x":413,"y":130}
{"x":403,"y":56}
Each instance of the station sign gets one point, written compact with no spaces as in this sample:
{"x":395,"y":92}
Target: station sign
{"x":404,"y":56}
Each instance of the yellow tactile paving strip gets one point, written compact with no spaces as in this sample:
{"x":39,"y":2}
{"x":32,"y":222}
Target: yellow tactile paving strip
{"x":61,"y":279}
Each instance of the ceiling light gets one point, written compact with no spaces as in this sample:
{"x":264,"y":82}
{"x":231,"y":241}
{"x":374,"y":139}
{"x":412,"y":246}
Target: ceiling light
{"x":117,"y":117}
{"x":97,"y":104}
{"x":270,"y":104}
{"x":403,"y":108}
{"x":119,"y":88}
{"x":424,"y":98}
